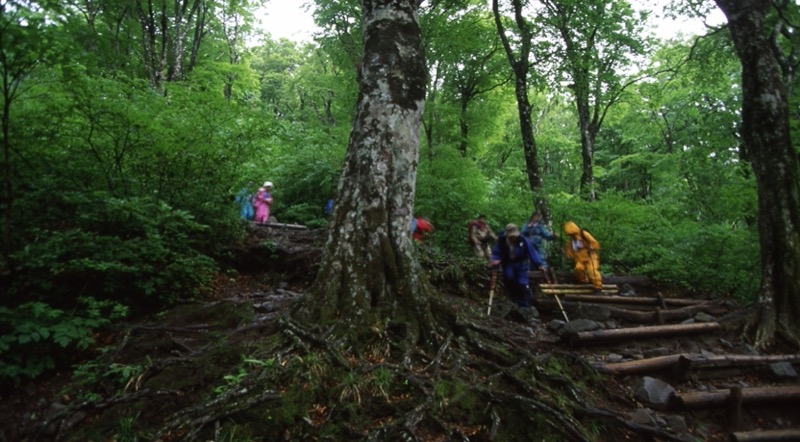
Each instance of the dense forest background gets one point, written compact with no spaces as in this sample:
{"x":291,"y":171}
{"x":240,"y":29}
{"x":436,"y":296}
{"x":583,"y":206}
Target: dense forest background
{"x":128,"y":128}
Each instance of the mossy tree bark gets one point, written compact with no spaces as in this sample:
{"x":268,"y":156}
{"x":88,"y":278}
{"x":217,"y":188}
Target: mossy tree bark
{"x":766,"y":133}
{"x":369,"y":275}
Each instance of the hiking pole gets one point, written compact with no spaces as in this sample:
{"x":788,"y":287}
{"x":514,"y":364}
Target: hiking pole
{"x":492,"y":286}
{"x":546,"y":277}
{"x":561,"y":307}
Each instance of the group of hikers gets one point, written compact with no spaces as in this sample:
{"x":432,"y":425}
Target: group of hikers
{"x":255,"y":207}
{"x":516,"y":251}
{"x":519,"y":251}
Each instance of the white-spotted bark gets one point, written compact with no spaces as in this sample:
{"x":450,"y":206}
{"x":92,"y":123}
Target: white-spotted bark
{"x":369,"y":275}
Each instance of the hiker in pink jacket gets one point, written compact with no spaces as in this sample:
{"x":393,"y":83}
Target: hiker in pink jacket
{"x":261,"y":202}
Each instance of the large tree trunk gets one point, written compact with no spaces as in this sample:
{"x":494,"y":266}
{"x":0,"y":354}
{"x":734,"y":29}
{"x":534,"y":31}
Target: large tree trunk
{"x":369,"y":274}
{"x":765,"y":129}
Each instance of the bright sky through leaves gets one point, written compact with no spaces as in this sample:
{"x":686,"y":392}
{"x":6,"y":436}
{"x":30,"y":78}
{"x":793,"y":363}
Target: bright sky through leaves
{"x":293,"y":20}
{"x":287,"y":19}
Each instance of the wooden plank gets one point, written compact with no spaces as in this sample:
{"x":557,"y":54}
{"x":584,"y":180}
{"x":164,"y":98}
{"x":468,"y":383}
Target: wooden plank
{"x":283,"y":226}
{"x":694,"y":361}
{"x":575,"y":286}
{"x":578,"y":292}
{"x":641,"y":366}
{"x":728,"y":361}
{"x":640,"y":332}
{"x":634,"y":300}
{"x":792,"y":434}
{"x":719,"y":398}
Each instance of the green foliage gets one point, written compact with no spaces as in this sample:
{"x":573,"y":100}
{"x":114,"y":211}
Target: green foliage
{"x":450,"y":192}
{"x":127,"y":429}
{"x":138,"y":252}
{"x":31,"y":331}
{"x":647,"y":239}
{"x":92,"y":375}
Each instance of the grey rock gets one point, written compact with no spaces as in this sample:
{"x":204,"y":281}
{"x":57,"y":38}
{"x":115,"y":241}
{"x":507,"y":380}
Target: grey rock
{"x":704,"y":317}
{"x":581,"y":325}
{"x":556,"y":325}
{"x":613,"y":357}
{"x":653,"y":392}
{"x":782,"y":371}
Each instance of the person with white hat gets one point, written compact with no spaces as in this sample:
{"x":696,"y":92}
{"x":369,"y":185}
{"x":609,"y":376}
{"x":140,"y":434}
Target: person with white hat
{"x":262,"y":203}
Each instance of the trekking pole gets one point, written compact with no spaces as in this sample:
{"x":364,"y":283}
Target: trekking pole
{"x":492,"y":286}
{"x":563,"y":312}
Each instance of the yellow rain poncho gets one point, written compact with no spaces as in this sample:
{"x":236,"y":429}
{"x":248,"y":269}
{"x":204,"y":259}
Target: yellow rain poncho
{"x":583,"y":248}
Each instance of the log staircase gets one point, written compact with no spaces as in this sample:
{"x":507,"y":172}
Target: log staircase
{"x":732,"y":384}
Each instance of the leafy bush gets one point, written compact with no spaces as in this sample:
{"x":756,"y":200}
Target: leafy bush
{"x":137,"y":252}
{"x":29,"y":333}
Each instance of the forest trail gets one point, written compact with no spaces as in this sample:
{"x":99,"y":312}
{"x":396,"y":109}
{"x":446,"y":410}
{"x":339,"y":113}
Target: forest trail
{"x":694,"y":379}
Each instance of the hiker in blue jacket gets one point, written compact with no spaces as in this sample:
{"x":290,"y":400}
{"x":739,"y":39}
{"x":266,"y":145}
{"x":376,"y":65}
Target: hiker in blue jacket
{"x":536,"y":232}
{"x":515,"y":254}
{"x":245,"y":200}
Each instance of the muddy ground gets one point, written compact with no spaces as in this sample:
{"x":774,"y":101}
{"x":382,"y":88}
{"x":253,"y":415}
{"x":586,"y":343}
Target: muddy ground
{"x":271,"y":269}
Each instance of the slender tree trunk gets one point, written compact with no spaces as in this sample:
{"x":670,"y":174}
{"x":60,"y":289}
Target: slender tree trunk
{"x":587,"y":145}
{"x":462,"y":122}
{"x":148,"y":25}
{"x":369,"y":273}
{"x":520,"y":65}
{"x":766,"y":133}
{"x":199,"y":33}
{"x":430,"y":122}
{"x":8,"y":186}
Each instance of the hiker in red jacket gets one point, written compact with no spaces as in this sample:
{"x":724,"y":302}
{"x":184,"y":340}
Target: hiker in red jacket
{"x":421,"y":227}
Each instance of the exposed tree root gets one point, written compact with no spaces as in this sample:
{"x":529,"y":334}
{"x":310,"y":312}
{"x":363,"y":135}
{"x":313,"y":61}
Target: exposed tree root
{"x":193,"y":419}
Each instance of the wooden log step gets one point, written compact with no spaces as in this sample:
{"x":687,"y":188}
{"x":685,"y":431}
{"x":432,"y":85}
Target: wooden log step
{"x":283,"y":226}
{"x":564,"y":292}
{"x":766,"y":435}
{"x":641,"y":314}
{"x":575,"y":286}
{"x":634,"y":300}
{"x":720,"y":398}
{"x":654,"y":315}
{"x":694,"y":362}
{"x":668,"y":315}
{"x":618,"y":334}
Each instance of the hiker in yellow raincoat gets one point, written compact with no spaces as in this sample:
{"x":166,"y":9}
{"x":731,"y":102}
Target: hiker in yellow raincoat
{"x":583,"y":249}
